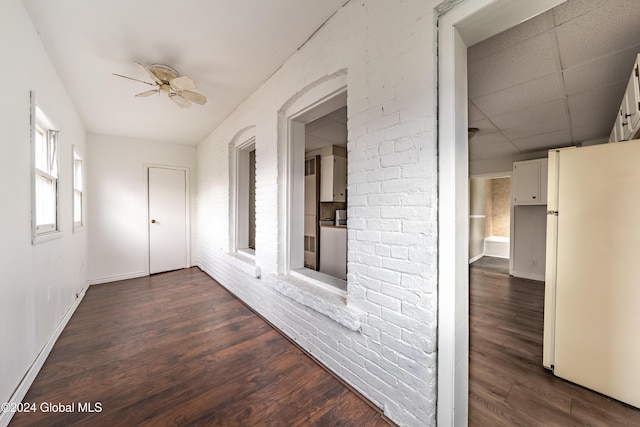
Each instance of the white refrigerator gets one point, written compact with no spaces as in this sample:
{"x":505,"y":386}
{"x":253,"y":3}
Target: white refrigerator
{"x":592,"y":290}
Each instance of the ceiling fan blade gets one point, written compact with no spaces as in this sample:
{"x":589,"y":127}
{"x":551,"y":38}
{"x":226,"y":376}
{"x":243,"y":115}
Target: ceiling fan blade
{"x":180,"y":101}
{"x":151,"y":74}
{"x":182,"y":83}
{"x":194,"y":97}
{"x":131,"y":78}
{"x":148,"y":93}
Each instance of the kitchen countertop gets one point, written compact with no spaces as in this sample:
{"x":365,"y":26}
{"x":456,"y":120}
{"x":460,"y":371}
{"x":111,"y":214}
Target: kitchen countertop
{"x":330,"y":223}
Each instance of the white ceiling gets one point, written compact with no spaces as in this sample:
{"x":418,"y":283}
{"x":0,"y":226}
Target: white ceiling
{"x":228,"y":47}
{"x":327,"y":130}
{"x":555,"y":80}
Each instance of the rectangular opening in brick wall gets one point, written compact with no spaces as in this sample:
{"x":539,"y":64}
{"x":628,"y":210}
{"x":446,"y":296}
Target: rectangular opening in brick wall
{"x":318,"y":142}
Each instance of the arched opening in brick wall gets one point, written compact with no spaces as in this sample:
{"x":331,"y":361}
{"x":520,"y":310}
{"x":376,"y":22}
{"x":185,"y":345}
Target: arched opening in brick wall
{"x":309,"y":213}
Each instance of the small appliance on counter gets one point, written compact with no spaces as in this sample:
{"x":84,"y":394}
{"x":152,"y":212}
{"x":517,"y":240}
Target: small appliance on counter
{"x":341,"y":218}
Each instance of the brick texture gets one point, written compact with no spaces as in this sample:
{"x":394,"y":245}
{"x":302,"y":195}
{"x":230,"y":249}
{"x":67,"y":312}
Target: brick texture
{"x":387,"y":50}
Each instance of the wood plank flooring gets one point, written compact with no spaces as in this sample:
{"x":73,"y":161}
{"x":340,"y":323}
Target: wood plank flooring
{"x":507,"y":384}
{"x":178,"y":349}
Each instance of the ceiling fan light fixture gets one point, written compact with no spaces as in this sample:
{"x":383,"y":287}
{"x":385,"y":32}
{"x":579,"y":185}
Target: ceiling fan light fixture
{"x":167,"y":80}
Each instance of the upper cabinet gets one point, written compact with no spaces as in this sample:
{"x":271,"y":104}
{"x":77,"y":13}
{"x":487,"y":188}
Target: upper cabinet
{"x":530,"y":182}
{"x":627,"y":124}
{"x":333,"y":179}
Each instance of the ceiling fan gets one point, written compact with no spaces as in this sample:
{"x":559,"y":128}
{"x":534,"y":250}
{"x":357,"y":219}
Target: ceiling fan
{"x":165,"y":79}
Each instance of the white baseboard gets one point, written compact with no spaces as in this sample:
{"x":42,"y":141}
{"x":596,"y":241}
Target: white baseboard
{"x":530,"y":276}
{"x":475,"y":258}
{"x":30,"y":376}
{"x":118,"y":277}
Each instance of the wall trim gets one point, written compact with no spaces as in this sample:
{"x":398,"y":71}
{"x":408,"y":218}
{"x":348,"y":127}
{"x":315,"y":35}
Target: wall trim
{"x":475,"y":258}
{"x":529,"y":276}
{"x":34,"y":369}
{"x":118,"y":277}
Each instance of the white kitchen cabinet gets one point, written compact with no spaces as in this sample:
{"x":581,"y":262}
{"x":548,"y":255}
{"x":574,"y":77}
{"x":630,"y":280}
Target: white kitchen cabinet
{"x":627,"y":123}
{"x":530,"y":182}
{"x":333,"y":179}
{"x":614,"y":136}
{"x":629,"y":109}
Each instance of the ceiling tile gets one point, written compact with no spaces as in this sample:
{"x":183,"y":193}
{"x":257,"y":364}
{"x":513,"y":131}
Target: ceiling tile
{"x":595,"y":119}
{"x":484,"y":126}
{"x":511,"y":37}
{"x":535,"y":114}
{"x":523,"y":96}
{"x":530,"y":60}
{"x":335,"y":132}
{"x":533,"y":129}
{"x":340,"y":115}
{"x":588,"y":132}
{"x":600,"y":72}
{"x":611,"y":28}
{"x":498,"y":149}
{"x":560,"y":138}
{"x":574,"y":8}
{"x":491,"y":145}
{"x":602,"y":98}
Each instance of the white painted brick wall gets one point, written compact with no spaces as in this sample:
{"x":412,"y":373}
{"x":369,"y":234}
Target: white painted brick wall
{"x":387,"y":48}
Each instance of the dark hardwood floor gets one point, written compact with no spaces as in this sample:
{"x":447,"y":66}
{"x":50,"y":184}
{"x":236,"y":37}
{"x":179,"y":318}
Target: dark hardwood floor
{"x":508,"y":385}
{"x":178,"y":349}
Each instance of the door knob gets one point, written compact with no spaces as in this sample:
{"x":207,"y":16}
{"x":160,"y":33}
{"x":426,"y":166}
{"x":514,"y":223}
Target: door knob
{"x":153,"y":221}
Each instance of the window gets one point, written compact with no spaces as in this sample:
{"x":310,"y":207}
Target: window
{"x":310,"y":134}
{"x":45,"y":178}
{"x":77,"y":192}
{"x":246,"y":197}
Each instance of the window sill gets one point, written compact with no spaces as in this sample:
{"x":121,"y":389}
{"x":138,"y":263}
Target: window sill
{"x":244,"y":262}
{"x":45,"y":237}
{"x":248,"y":252}
{"x":322,"y":280}
{"x":318,"y":296}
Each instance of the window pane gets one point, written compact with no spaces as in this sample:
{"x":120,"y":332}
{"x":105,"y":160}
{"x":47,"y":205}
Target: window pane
{"x":41,"y":150}
{"x":45,"y":201}
{"x":77,"y":207}
{"x":53,"y":153}
{"x":77,"y":176}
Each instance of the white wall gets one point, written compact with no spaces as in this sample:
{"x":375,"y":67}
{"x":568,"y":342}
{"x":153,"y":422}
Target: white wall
{"x":116,"y":195}
{"x":387,"y":50}
{"x":38,"y":284}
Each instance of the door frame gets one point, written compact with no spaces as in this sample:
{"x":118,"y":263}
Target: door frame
{"x":460,"y":24}
{"x":187,"y":190}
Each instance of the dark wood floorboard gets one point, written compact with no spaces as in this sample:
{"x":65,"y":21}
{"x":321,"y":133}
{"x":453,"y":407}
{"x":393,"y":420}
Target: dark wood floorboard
{"x":507,"y":384}
{"x":178,"y":349}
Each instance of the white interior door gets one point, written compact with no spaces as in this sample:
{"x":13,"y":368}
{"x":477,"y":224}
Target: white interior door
{"x":167,"y":220}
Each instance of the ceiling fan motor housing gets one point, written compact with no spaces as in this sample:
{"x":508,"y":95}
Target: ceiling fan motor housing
{"x":164,"y":72}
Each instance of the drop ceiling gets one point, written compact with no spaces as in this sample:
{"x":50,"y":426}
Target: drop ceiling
{"x":327,"y":130}
{"x":555,"y":80}
{"x":228,"y":47}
